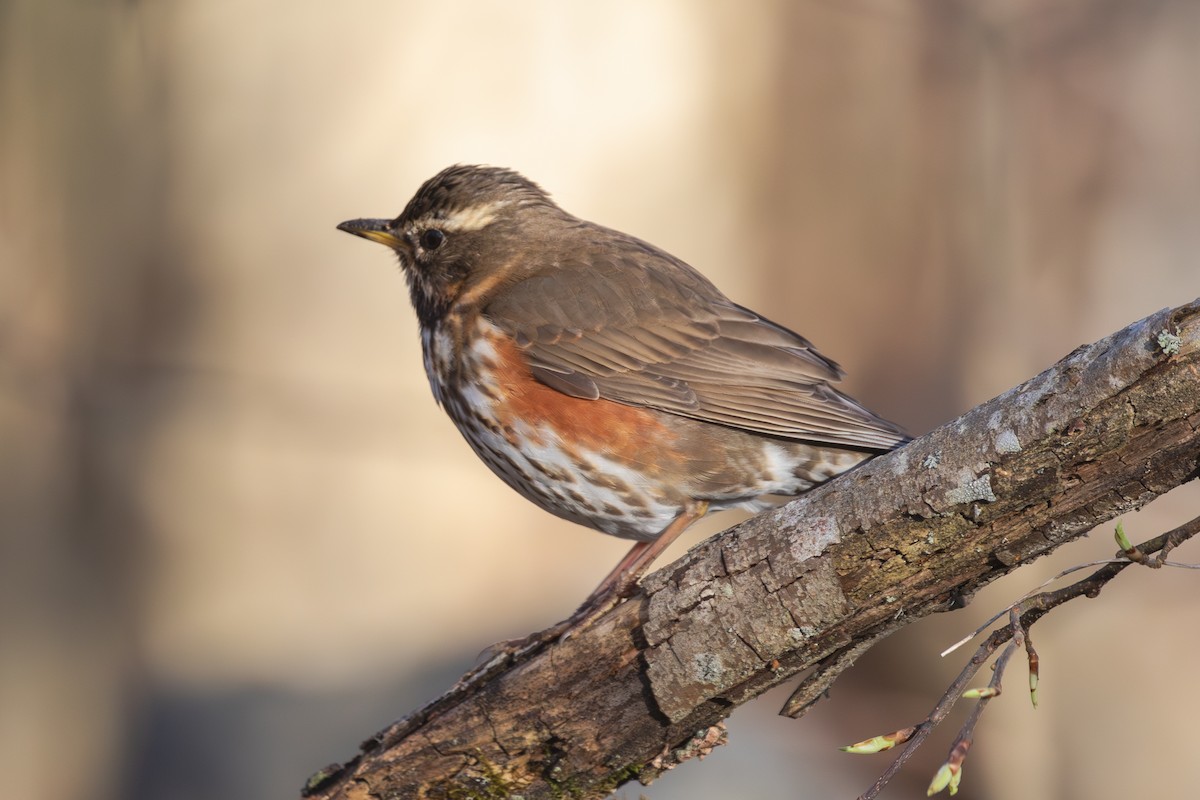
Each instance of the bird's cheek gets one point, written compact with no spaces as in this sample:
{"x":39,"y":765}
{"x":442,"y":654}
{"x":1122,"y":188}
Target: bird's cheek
{"x":449,"y":277}
{"x":437,"y":283}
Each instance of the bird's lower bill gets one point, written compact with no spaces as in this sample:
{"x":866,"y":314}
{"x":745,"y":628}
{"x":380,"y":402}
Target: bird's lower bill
{"x":377,"y":230}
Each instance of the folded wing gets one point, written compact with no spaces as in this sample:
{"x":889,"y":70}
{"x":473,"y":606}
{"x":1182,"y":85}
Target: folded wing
{"x":664,"y":337}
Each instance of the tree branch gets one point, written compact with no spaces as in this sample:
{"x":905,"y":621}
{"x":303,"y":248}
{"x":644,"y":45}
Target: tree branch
{"x":1022,"y":615}
{"x":811,"y":584}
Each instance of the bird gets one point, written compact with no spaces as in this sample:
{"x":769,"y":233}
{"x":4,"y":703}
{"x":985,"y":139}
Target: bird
{"x":606,"y":380}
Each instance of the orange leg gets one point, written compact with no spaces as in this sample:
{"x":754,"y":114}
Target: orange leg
{"x":623,"y":580}
{"x":616,"y":586}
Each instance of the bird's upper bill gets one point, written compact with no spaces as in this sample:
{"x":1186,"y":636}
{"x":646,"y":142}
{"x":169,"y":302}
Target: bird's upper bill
{"x":377,"y":230}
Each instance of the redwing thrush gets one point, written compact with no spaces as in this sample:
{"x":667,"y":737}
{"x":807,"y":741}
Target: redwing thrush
{"x":604,"y":379}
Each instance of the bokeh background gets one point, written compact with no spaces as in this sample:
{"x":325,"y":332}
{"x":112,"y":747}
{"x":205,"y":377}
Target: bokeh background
{"x":238,"y":536}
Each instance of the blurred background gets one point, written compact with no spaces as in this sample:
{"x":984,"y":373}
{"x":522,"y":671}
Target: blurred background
{"x":236,"y":534}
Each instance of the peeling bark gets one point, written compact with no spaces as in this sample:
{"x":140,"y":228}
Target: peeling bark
{"x":813,"y":583}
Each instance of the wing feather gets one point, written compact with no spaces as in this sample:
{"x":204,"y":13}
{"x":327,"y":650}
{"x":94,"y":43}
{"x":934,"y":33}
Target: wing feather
{"x":642,"y":328}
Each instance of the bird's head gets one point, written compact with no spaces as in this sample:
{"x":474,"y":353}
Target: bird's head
{"x":466,"y":232}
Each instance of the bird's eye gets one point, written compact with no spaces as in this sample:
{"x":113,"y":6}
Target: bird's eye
{"x":432,"y":239}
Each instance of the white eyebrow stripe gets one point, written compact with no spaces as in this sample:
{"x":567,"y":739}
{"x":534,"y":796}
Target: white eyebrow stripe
{"x":472,"y":218}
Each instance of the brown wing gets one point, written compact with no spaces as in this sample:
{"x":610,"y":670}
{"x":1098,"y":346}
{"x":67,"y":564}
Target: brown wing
{"x":666,"y":338}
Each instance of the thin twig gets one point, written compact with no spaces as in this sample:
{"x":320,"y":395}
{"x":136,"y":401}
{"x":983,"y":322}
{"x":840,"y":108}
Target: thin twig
{"x":951,"y":771}
{"x":939,"y":713}
{"x":1024,"y":614}
{"x":1168,"y":542}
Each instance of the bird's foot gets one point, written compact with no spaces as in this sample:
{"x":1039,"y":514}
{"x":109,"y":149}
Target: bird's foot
{"x":595,"y":607}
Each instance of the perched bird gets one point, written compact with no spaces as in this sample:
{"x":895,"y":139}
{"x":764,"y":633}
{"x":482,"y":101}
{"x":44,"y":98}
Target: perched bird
{"x":606,"y":380}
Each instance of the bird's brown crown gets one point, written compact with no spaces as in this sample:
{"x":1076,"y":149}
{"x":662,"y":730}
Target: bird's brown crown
{"x":466,"y":197}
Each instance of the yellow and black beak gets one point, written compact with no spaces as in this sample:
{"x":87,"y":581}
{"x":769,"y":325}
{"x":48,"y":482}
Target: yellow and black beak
{"x":377,"y":230}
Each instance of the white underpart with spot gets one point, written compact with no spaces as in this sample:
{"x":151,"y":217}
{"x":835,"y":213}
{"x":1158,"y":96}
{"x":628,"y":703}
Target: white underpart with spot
{"x":532,"y":460}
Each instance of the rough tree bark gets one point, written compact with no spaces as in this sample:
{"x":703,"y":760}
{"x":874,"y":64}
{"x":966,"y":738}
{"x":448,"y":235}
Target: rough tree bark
{"x":811,"y":584}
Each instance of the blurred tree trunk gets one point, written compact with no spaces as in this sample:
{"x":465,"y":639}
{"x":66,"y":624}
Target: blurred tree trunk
{"x":82,"y":221}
